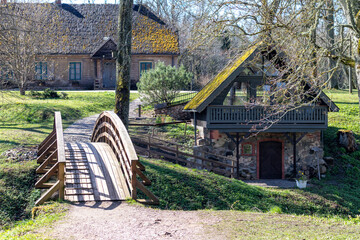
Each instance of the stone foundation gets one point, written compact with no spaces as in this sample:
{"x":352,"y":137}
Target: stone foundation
{"x":309,"y":150}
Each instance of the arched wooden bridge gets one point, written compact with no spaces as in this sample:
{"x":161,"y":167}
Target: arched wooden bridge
{"x":107,"y":168}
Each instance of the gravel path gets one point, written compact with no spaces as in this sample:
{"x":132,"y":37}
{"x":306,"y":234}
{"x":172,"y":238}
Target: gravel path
{"x":81,"y":130}
{"x":119,"y":220}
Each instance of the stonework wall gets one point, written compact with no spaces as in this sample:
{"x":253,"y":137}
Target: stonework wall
{"x":306,"y":158}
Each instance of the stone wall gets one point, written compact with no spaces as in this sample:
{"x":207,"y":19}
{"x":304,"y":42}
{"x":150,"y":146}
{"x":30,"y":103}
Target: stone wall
{"x":308,"y":150}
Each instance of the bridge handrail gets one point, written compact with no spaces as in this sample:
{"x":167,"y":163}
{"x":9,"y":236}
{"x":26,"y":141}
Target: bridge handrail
{"x":110,"y":129}
{"x":51,"y":156}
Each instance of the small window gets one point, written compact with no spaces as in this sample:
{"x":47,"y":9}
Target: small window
{"x":41,"y":71}
{"x":75,"y":71}
{"x":6,"y":75}
{"x":247,"y":149}
{"x":144,"y":66}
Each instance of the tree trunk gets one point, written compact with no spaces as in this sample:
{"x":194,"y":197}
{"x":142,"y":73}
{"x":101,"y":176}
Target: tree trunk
{"x":330,"y":35}
{"x":22,"y":91}
{"x":357,"y":70}
{"x":122,"y":93}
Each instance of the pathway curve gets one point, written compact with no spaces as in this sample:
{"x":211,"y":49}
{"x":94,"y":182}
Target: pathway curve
{"x":81,"y":130}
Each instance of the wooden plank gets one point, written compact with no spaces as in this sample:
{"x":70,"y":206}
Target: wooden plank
{"x":47,"y":175}
{"x":114,"y":169}
{"x":48,"y":140}
{"x":107,"y":171}
{"x":78,"y":180}
{"x":96,"y":176}
{"x":48,"y":150}
{"x":41,"y":168}
{"x":48,"y":193}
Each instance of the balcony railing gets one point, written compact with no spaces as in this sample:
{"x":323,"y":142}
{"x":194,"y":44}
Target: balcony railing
{"x":245,"y":117}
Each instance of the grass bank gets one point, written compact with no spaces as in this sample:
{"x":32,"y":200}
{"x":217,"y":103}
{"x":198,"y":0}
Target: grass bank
{"x":24,"y":122}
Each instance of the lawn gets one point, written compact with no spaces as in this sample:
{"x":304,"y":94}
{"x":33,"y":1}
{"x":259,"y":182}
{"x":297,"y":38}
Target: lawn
{"x":24,"y":122}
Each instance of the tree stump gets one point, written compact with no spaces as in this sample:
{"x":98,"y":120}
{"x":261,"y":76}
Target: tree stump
{"x":346,"y":139}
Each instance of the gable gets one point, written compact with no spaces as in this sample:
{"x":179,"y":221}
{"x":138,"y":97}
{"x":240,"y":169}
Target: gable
{"x":217,"y":88}
{"x":220,"y":82}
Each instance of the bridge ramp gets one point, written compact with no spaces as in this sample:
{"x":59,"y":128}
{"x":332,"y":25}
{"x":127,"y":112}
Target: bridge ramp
{"x":93,"y":173}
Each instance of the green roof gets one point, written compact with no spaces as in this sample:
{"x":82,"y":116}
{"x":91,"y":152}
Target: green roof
{"x":228,"y":71}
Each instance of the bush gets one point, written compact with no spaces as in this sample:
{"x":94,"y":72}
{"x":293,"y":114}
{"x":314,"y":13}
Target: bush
{"x":48,"y":94}
{"x":163,"y":83}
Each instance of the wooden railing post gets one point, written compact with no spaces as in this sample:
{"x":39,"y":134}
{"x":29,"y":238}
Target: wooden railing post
{"x":148,"y":146}
{"x":133,"y":180}
{"x":61,"y":177}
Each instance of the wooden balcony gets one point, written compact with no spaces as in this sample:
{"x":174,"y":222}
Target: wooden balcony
{"x":242,"y":119}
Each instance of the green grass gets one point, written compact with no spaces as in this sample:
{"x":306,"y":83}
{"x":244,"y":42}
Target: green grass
{"x":24,"y":123}
{"x":244,"y":225}
{"x":180,"y":188}
{"x":45,"y":216}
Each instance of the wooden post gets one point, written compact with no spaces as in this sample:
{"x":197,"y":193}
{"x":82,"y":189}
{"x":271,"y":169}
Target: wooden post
{"x":195,"y":129}
{"x":133,"y":180}
{"x":148,"y":146}
{"x":177,"y":154}
{"x":237,"y":155}
{"x":61,"y":177}
{"x":294,"y":153}
{"x":185,"y":128}
{"x":139,"y":108}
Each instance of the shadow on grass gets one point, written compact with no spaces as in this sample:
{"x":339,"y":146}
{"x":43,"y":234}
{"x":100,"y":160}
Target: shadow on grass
{"x":28,"y":129}
{"x":179,"y":188}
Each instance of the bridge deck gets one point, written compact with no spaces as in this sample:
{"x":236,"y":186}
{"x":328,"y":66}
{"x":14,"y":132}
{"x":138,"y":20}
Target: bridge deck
{"x":93,"y":173}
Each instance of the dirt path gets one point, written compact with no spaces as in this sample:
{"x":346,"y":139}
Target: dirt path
{"x":119,"y":220}
{"x":81,"y":130}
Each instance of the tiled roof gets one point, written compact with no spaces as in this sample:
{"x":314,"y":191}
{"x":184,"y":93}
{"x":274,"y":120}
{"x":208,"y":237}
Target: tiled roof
{"x":81,"y":29}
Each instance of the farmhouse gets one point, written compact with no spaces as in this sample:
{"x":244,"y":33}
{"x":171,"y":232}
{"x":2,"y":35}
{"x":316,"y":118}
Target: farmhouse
{"x":81,"y":50}
{"x":281,"y":146}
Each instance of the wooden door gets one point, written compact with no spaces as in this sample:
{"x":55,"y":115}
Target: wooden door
{"x":270,"y":160}
{"x":109,"y":75}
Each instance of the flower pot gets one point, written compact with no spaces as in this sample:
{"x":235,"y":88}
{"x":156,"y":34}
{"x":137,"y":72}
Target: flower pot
{"x":301,"y":183}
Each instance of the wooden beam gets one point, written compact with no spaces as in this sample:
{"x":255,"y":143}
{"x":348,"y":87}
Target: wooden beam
{"x":48,"y":193}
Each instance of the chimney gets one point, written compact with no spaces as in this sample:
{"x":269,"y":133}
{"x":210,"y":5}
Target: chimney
{"x":3,"y":1}
{"x":56,"y":1}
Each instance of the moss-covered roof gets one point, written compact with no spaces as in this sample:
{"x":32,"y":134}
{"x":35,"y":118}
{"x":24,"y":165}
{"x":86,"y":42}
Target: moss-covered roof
{"x":82,"y":28}
{"x":209,"y":88}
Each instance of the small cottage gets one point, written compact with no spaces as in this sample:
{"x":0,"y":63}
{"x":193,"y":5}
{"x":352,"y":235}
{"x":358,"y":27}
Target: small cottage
{"x":239,"y":129}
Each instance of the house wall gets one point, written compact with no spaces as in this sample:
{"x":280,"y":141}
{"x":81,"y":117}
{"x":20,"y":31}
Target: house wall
{"x":136,"y":59}
{"x":58,"y":69}
{"x":220,"y":144}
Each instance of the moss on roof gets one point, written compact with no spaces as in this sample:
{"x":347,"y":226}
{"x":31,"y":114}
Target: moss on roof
{"x":209,"y":88}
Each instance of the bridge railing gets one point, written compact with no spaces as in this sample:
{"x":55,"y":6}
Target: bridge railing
{"x":110,"y":129}
{"x":51,"y":157}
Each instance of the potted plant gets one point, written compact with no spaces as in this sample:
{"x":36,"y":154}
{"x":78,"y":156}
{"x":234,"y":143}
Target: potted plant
{"x":301,"y":181}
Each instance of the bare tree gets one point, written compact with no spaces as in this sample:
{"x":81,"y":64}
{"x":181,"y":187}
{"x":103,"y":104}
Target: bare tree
{"x":22,"y":36}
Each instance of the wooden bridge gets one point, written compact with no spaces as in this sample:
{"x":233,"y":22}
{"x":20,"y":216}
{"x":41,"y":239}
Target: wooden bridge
{"x":107,"y":168}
